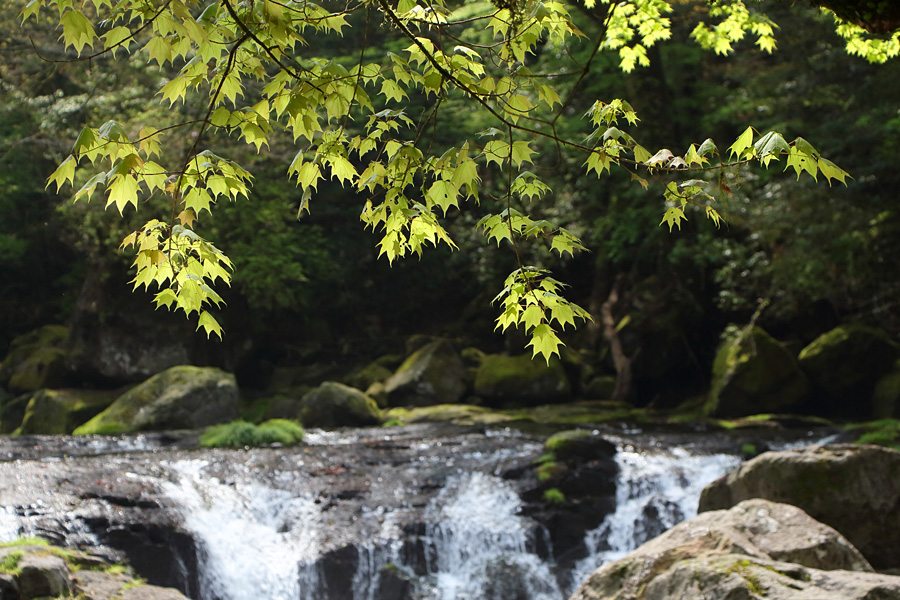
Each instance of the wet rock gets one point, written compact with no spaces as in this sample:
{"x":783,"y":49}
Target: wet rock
{"x":521,"y":380}
{"x":333,"y":405}
{"x":43,"y":576}
{"x":36,"y":360}
{"x":755,"y":374}
{"x":433,"y":374}
{"x":182,"y":397}
{"x":844,"y":365}
{"x":886,"y":396}
{"x":57,"y":412}
{"x":755,"y":532}
{"x":9,"y":589}
{"x":853,"y":488}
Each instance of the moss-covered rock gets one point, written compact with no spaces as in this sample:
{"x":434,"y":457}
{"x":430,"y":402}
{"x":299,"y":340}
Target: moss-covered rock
{"x":56,"y":412}
{"x":36,"y":360}
{"x":239,"y":434}
{"x":886,"y":396}
{"x":362,"y":378}
{"x":183,"y":397}
{"x":755,"y":374}
{"x":433,"y":374}
{"x":520,"y":380}
{"x":458,"y":414}
{"x":12,"y":411}
{"x":333,"y":405}
{"x":845,"y":364}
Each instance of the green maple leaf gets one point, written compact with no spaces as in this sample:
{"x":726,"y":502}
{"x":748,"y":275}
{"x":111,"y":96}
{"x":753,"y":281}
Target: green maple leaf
{"x":545,"y":342}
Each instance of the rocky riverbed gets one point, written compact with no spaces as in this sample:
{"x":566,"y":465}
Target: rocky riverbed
{"x":419,"y":511}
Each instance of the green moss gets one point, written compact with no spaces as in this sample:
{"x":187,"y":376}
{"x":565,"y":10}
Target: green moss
{"x":554,"y":496}
{"x":883,"y":432}
{"x":239,"y":434}
{"x":29,"y":541}
{"x":562,"y":442}
{"x":10,"y":562}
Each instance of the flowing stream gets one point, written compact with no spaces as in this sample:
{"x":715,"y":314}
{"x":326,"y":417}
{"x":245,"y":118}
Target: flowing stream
{"x":476,"y":544}
{"x":411,"y":514}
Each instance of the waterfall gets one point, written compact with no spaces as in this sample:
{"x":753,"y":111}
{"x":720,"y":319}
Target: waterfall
{"x":253,"y":537}
{"x":655,"y":490}
{"x":476,"y":545}
{"x":258,"y":541}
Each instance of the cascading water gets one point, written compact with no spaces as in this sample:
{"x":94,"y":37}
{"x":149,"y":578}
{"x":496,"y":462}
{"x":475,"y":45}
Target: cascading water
{"x":253,"y":536}
{"x":655,"y":491}
{"x":412,"y":513}
{"x":475,"y":544}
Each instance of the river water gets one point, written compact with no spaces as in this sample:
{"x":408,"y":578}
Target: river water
{"x":413,"y":513}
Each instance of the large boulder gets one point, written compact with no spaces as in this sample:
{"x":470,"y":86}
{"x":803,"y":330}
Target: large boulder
{"x":755,"y":374}
{"x":845,"y":364}
{"x":739,"y":577}
{"x":333,"y":405}
{"x":433,"y":374}
{"x":183,"y":397}
{"x":36,"y":360}
{"x":55,"y":412}
{"x":521,"y":380}
{"x":853,"y":488}
{"x":801,"y":555}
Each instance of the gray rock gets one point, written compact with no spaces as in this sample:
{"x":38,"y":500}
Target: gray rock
{"x":43,"y":575}
{"x":433,"y":374}
{"x":182,"y":397}
{"x":333,"y":405}
{"x":755,"y":530}
{"x":853,"y":488}
{"x":9,"y":588}
{"x":755,"y":374}
{"x":740,"y":577}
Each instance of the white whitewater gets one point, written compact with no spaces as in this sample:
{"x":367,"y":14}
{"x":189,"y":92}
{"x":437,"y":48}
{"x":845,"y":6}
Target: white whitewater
{"x":253,"y":536}
{"x":654,"y":491}
{"x":477,"y":545}
{"x":260,"y":542}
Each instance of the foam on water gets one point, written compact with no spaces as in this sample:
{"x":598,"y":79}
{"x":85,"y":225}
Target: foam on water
{"x":253,"y":536}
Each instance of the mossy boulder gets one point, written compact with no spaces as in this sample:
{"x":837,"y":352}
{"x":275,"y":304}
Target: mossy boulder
{"x":845,"y":364}
{"x":520,"y":380}
{"x":333,"y":405}
{"x":183,"y":397}
{"x":36,"y":360}
{"x":56,"y":412}
{"x":886,"y":396}
{"x":754,"y":374}
{"x":374,"y":372}
{"x":433,"y":374}
{"x":853,"y":488}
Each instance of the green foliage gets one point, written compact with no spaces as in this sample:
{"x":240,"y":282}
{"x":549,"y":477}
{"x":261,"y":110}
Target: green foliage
{"x":10,"y":562}
{"x":358,"y":123}
{"x":883,"y":432}
{"x":28,"y":541}
{"x":554,"y":496}
{"x":239,"y":434}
